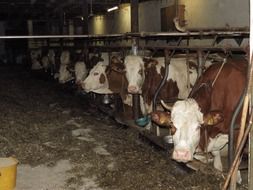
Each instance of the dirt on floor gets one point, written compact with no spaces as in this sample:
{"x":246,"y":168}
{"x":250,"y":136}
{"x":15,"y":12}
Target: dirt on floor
{"x":62,"y":142}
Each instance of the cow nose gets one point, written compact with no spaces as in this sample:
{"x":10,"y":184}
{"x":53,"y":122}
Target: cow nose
{"x":132,"y":89}
{"x":182,"y":155}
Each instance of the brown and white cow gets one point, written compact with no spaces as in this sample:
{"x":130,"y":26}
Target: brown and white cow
{"x":144,"y":76}
{"x":209,"y":109}
{"x":68,"y":71}
{"x":109,"y":79}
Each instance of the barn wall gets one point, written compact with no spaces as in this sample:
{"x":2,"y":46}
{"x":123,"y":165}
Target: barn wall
{"x":216,"y":13}
{"x":114,"y":22}
{"x":149,"y":15}
{"x":198,"y":14}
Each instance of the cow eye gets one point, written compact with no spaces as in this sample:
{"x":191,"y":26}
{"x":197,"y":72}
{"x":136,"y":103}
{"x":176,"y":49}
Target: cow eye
{"x":140,"y":72}
{"x":95,"y":74}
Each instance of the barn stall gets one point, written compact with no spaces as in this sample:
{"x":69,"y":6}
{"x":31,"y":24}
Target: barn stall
{"x":65,"y":138}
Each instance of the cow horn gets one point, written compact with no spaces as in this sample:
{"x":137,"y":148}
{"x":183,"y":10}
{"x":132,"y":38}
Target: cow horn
{"x":165,"y":105}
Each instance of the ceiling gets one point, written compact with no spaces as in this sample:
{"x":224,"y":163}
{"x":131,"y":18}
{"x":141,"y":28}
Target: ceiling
{"x":12,"y":10}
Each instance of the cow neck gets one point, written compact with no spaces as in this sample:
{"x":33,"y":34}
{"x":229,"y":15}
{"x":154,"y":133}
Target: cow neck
{"x":219,"y":71}
{"x":109,"y":72}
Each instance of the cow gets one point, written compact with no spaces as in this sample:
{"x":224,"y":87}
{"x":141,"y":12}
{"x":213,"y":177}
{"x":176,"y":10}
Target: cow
{"x":144,"y":76}
{"x":106,"y":79}
{"x":48,"y":61}
{"x":80,"y":72}
{"x":201,"y":122}
{"x":72,"y":70}
{"x":109,"y":79}
{"x":35,"y":56}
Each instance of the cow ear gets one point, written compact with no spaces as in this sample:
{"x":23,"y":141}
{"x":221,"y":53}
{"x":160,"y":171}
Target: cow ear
{"x":161,"y":118}
{"x":213,"y":118}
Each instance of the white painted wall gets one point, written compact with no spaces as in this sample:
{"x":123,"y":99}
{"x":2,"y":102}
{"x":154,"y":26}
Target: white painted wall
{"x":114,"y":22}
{"x":198,"y":13}
{"x":216,"y":13}
{"x":149,"y":15}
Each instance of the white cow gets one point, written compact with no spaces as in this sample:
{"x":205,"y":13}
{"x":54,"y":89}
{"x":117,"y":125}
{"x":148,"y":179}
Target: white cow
{"x":144,"y":78}
{"x":35,"y":57}
{"x":68,"y":73}
{"x":80,"y":72}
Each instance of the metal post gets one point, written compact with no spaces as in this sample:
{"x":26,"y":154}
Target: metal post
{"x":135,"y":97}
{"x":250,"y":171}
{"x":85,"y":17}
{"x":136,"y":106}
{"x":135,"y":28}
{"x":200,"y":62}
{"x":134,"y":16}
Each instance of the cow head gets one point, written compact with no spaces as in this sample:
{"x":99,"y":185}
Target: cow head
{"x":80,"y":72}
{"x":65,"y":57}
{"x":186,"y":119}
{"x":64,"y":74}
{"x":96,"y":80}
{"x":134,"y":67}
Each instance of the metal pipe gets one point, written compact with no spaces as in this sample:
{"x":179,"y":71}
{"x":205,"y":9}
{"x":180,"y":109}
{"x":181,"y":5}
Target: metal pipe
{"x":236,"y":112}
{"x":139,"y":34}
{"x":231,"y":129}
{"x":192,"y":48}
{"x":62,"y":36}
{"x":167,"y":62}
{"x":238,"y":153}
{"x":192,"y":34}
{"x":136,"y":106}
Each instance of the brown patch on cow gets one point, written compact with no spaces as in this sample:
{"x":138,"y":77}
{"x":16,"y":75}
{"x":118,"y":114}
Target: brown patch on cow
{"x":149,"y":62}
{"x":152,"y":80}
{"x":116,"y":77}
{"x":161,"y":118}
{"x":102,"y":78}
{"x":224,"y":95}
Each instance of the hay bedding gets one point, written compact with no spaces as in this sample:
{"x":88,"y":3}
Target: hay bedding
{"x":42,"y":125}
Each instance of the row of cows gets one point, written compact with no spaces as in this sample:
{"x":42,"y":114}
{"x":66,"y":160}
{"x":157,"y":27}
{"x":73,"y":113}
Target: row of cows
{"x":199,"y":120}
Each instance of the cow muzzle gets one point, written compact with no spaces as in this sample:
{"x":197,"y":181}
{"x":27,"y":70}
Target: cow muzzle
{"x":182,"y":155}
{"x":133,"y":89}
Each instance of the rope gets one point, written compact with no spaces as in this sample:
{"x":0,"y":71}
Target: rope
{"x":216,"y":77}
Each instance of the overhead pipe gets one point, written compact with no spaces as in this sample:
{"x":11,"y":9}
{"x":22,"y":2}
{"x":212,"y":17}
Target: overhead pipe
{"x":243,"y":33}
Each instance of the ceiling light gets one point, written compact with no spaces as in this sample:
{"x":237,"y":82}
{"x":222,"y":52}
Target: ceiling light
{"x":113,"y":9}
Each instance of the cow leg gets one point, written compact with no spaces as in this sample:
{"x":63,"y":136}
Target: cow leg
{"x":217,"y":160}
{"x":214,"y":146}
